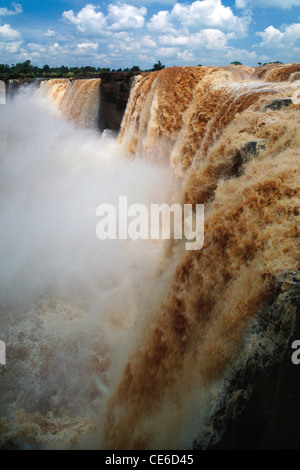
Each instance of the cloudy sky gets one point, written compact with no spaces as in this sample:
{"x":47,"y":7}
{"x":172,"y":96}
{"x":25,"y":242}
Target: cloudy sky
{"x":125,"y":33}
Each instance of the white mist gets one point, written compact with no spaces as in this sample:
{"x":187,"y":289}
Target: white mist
{"x":68,"y":300}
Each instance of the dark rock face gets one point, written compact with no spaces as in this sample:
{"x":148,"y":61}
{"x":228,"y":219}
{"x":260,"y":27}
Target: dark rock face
{"x":276,"y":105}
{"x":270,"y":418}
{"x":245,"y":154}
{"x":14,"y":85}
{"x":261,"y":409}
{"x":115,"y":89}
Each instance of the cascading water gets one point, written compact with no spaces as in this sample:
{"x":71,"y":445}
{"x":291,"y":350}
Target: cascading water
{"x":78,"y":100}
{"x":2,"y":92}
{"x":237,"y":156}
{"x":139,"y":344}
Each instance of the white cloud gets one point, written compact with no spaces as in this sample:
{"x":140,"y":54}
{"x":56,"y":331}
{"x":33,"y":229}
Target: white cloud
{"x":8,"y":33}
{"x":10,"y":47}
{"x":124,"y":47}
{"x":205,"y":12}
{"x":284,"y":4}
{"x":87,"y":46}
{"x":32,"y":46}
{"x":10,"y":38}
{"x":124,"y":16}
{"x":148,"y":42}
{"x":167,"y":52}
{"x":241,"y":3}
{"x":197,"y":15}
{"x":121,"y":42}
{"x":83,"y":51}
{"x":162,"y":21}
{"x":153,"y":2}
{"x":146,"y":59}
{"x":170,"y":40}
{"x":17,"y":8}
{"x":273,"y":37}
{"x":122,"y":36}
{"x":87,"y":20}
{"x":292,"y":32}
{"x":185,"y":56}
{"x":269,"y":35}
{"x":211,"y":39}
{"x":205,"y":39}
{"x":49,"y":33}
{"x":231,"y":54}
{"x":120,"y":17}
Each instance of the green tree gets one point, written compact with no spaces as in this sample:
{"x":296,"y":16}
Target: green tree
{"x":24,"y":69}
{"x":64,"y":70}
{"x":236,"y":62}
{"x":158,"y":66}
{"x":269,"y":63}
{"x":5,"y":72}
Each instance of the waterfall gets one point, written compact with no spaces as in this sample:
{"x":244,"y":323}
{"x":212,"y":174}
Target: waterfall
{"x":78,"y":100}
{"x":234,"y":153}
{"x":2,"y":92}
{"x":140,"y":344}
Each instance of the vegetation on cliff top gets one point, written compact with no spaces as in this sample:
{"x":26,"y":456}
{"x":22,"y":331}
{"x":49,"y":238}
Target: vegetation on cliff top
{"x":26,"y":70}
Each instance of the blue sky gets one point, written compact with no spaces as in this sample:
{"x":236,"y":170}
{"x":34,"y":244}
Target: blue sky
{"x":125,"y":33}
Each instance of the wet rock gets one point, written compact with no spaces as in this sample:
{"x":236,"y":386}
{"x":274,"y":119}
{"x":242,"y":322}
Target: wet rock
{"x":279,"y":104}
{"x":261,"y":408}
{"x":115,"y":89}
{"x":245,"y":154}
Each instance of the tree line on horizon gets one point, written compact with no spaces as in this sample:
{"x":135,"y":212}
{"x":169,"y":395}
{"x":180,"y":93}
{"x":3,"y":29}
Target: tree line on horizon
{"x":26,"y":70}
